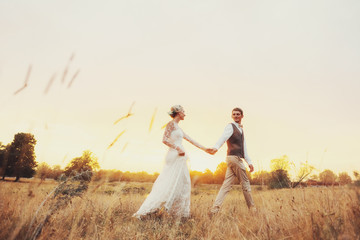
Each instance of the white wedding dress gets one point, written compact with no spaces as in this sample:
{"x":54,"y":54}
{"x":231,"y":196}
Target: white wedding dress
{"x":172,"y":188}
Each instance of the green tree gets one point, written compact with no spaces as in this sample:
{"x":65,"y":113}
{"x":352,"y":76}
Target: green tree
{"x":87,"y":162}
{"x":43,"y":171}
{"x":207,"y":177}
{"x":344,"y":178}
{"x":21,"y":157}
{"x":314,"y":177}
{"x":281,"y":163}
{"x":195,"y":177}
{"x":219,"y":174}
{"x":279,"y":179}
{"x":304,"y":171}
{"x":327,"y":177}
{"x":279,"y":174}
{"x":3,"y":158}
{"x":115,"y":176}
{"x":56,"y":172}
{"x":103,"y":175}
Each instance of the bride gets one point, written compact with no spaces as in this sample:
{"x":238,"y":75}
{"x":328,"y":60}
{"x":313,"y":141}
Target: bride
{"x":172,"y":188}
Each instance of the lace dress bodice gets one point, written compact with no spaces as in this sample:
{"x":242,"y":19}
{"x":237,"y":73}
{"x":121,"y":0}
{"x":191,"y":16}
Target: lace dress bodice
{"x":176,"y":136}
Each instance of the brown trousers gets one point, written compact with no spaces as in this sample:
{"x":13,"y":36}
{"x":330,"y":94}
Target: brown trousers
{"x":235,"y":170}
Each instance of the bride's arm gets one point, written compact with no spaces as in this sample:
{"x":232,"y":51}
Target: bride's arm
{"x":193,"y":142}
{"x":166,"y":138}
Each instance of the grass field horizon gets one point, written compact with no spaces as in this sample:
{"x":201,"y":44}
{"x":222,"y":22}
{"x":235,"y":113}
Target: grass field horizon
{"x":104,"y":210}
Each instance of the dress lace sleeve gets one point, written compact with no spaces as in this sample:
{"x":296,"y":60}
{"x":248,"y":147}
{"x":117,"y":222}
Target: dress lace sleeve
{"x":166,"y":138}
{"x":193,"y":142}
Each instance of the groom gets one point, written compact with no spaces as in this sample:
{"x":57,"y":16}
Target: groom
{"x":233,"y":135}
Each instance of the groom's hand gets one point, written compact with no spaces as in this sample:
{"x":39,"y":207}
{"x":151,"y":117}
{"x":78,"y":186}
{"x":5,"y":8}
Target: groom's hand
{"x":214,"y":150}
{"x":251,"y":168}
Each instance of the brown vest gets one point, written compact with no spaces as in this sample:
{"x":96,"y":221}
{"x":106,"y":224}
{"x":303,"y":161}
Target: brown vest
{"x":236,"y":143}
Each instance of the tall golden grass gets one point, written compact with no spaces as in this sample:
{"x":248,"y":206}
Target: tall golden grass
{"x":105,"y":211}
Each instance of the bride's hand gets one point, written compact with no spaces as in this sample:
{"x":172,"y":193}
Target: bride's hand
{"x":181,"y":153}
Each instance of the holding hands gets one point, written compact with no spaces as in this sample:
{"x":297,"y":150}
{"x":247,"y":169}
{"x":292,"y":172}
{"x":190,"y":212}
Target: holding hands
{"x":211,"y":151}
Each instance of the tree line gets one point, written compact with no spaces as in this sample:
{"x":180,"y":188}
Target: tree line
{"x":17,"y":159}
{"x":278,"y":177}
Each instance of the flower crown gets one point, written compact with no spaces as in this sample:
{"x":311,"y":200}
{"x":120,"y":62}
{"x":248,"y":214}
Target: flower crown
{"x":175,"y":109}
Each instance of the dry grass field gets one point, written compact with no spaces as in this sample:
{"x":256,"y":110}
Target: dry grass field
{"x":29,"y":209}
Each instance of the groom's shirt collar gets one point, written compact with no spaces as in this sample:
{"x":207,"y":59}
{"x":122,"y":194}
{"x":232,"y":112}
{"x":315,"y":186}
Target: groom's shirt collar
{"x":236,"y":124}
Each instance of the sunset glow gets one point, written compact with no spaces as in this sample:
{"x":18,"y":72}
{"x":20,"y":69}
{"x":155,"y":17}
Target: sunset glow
{"x":293,"y":67}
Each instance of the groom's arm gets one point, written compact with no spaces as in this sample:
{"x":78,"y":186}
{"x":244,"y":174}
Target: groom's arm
{"x":228,"y":131}
{"x":247,"y":158}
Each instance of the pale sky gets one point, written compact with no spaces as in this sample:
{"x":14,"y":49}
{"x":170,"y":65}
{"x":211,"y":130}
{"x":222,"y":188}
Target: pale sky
{"x":292,"y":66}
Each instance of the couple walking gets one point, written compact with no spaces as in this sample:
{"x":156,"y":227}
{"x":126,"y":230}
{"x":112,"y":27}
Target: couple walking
{"x":172,"y":188}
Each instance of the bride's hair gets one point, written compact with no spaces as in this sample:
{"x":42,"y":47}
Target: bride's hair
{"x":174,"y":110}
{"x":173,"y":114}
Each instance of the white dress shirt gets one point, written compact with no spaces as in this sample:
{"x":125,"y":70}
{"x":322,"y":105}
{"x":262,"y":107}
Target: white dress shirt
{"x":228,"y":131}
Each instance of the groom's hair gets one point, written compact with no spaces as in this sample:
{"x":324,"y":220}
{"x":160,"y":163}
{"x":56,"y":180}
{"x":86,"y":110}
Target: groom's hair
{"x":239,"y":110}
